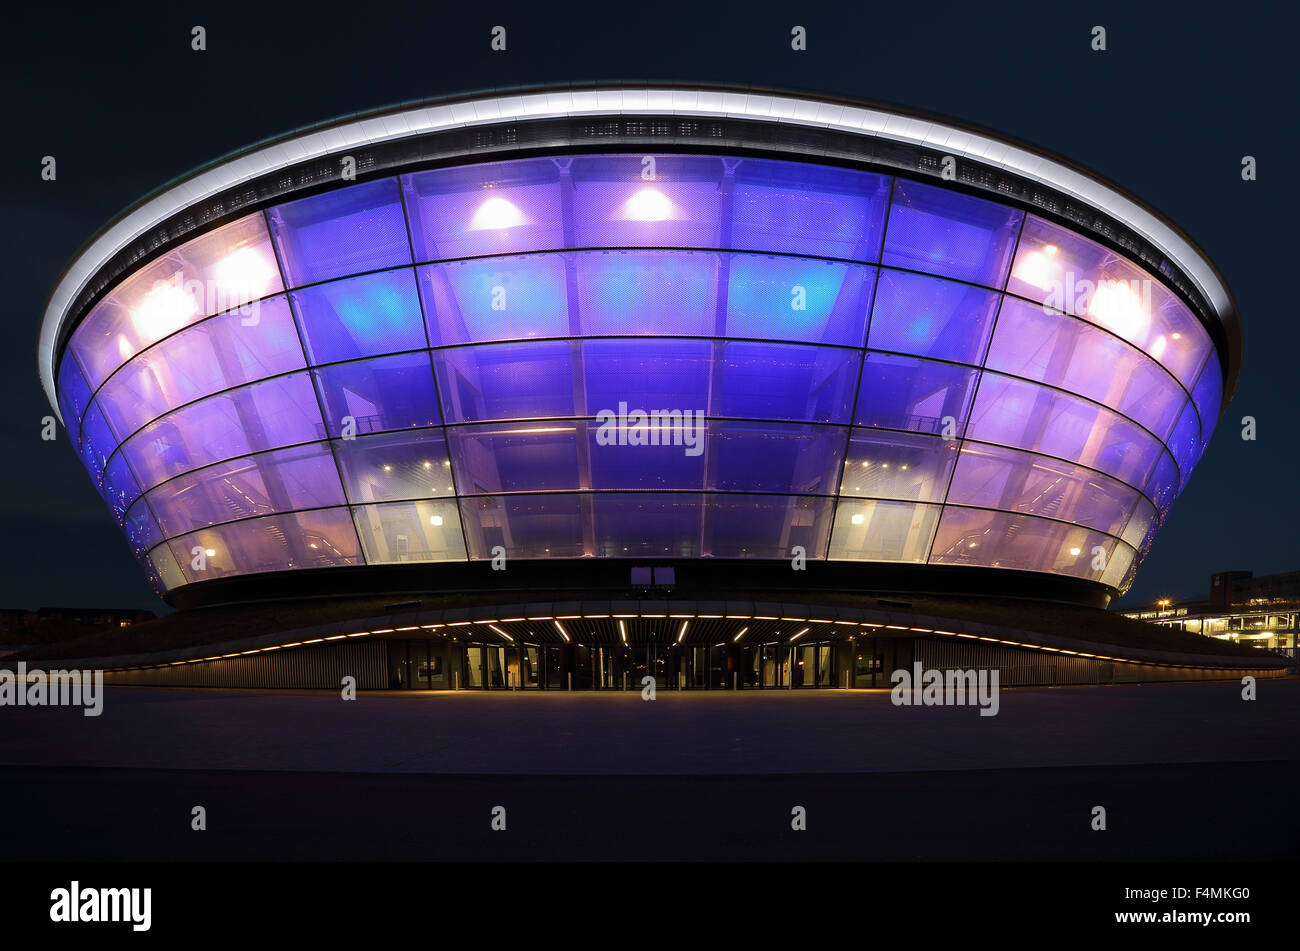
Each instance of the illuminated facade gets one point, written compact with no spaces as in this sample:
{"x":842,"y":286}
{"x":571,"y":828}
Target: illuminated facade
{"x":269,"y":367}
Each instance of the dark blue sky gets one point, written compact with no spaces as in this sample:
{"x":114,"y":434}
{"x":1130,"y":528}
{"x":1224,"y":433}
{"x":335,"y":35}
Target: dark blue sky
{"x":1183,"y":92}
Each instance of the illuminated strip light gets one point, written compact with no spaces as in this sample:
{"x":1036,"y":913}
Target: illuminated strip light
{"x":382,"y":630}
{"x":622,"y":632}
{"x":741,"y":634}
{"x":800,"y":634}
{"x":682,"y":633}
{"x":335,"y":637}
{"x":502,"y":633}
{"x":563,"y":633}
{"x":413,"y":627}
{"x":713,"y":617}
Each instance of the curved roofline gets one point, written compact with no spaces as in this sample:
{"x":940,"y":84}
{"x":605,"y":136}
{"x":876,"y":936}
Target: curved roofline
{"x":815,"y":110}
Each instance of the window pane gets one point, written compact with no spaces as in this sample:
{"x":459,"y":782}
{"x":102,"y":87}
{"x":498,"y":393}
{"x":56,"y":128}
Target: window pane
{"x":346,"y":231}
{"x":647,"y":457}
{"x":1185,"y":441}
{"x":648,"y":525}
{"x":281,"y":481}
{"x":525,"y":526}
{"x":217,"y":354}
{"x":931,"y":317}
{"x":495,"y":299}
{"x":614,"y":206}
{"x":514,"y":457}
{"x":774,"y":457}
{"x":360,"y":317}
{"x":913,"y":394}
{"x":1163,"y":486}
{"x":886,"y":465}
{"x":882,"y":531}
{"x":647,"y":374}
{"x":319,"y":539}
{"x":505,"y":381}
{"x":1208,"y":396}
{"x":410,"y":531}
{"x":938,"y":231}
{"x":384,"y":393}
{"x":803,"y":300}
{"x":141,"y":529}
{"x":119,"y":489}
{"x":782,"y":381}
{"x":163,"y":563}
{"x":391,"y":466}
{"x":74,"y":395}
{"x":647,"y":292}
{"x":766,"y":526}
{"x":999,"y":540}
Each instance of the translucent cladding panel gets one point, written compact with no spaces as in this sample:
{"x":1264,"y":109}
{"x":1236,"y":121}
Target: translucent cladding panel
{"x":1208,"y":397}
{"x":524,"y":526}
{"x":141,"y":528}
{"x":1069,"y":353}
{"x":392,"y":466}
{"x":888,"y":465}
{"x":784,"y":381}
{"x":913,"y":394}
{"x":319,"y":539}
{"x":119,"y":487}
{"x":648,"y":525}
{"x":930,"y":317}
{"x":216,"y":272}
{"x":1185,"y":441}
{"x":652,"y":451}
{"x":939,"y":231}
{"x":217,"y":354}
{"x":647,"y":292}
{"x":505,"y":381}
{"x":342,"y":232}
{"x":360,"y":317}
{"x":516,"y":457}
{"x":647,"y":375}
{"x":300,"y":477}
{"x":798,"y":208}
{"x":766,"y":526}
{"x":1120,"y":562}
{"x":774,"y":457}
{"x":266,"y":415}
{"x":1141,"y":523}
{"x":1024,"y":415}
{"x":616,"y":206}
{"x":797,"y":299}
{"x":1016,"y":481}
{"x":1163,"y":486}
{"x":1072,"y":273}
{"x":425,"y":530}
{"x":74,"y":395}
{"x":394,"y":392}
{"x":868,"y":530}
{"x":165,"y":567}
{"x":494,"y":208}
{"x":495,"y":299}
{"x":97,"y":443}
{"x":1002,"y":540}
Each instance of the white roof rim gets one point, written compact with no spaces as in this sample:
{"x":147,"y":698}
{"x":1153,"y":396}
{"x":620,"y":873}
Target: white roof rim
{"x":789,"y":109}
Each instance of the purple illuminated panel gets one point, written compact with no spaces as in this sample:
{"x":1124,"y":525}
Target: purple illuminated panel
{"x":339,"y":233}
{"x":323,"y":538}
{"x":74,"y":396}
{"x":651,"y":462}
{"x":119,"y":488}
{"x":524,"y":526}
{"x":426,"y":530}
{"x":766,"y":526}
{"x":937,"y":231}
{"x":1208,"y":396}
{"x":517,"y":457}
{"x":517,"y":298}
{"x":164,"y":566}
{"x":889,"y":465}
{"x":1069,"y":353}
{"x":360,"y":317}
{"x":616,"y":206}
{"x":808,"y":209}
{"x":485,"y":209}
{"x":392,"y":466}
{"x":1162,"y":488}
{"x":266,"y":415}
{"x":141,"y":528}
{"x":648,"y":525}
{"x":1001,"y":540}
{"x":1186,"y":441}
{"x":774,"y":457}
{"x":385,"y":393}
{"x":97,"y":443}
{"x":778,"y":381}
{"x":868,"y":530}
{"x":648,"y":292}
{"x":797,"y":299}
{"x":916,"y":395}
{"x":301,"y":477}
{"x":506,"y":381}
{"x":218,"y":354}
{"x":930,"y":317}
{"x":647,"y":375}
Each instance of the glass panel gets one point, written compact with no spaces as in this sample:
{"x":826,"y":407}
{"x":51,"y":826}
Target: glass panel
{"x":213,"y":273}
{"x":217,"y":354}
{"x":647,"y":292}
{"x":1067,"y":352}
{"x":939,"y":231}
{"x":514,"y":457}
{"x":410,"y":531}
{"x":360,"y":317}
{"x":119,"y":489}
{"x":774,"y":457}
{"x":643,"y":455}
{"x":867,"y":530}
{"x":913,"y":394}
{"x":281,"y":481}
{"x":391,"y":466}
{"x":1186,"y":440}
{"x":931,"y":317}
{"x":97,"y":443}
{"x":1028,"y":416}
{"x":1000,"y":540}
{"x":1140,"y":524}
{"x":620,"y":201}
{"x":1162,"y":488}
{"x":74,"y":395}
{"x":886,"y":465}
{"x":505,"y":381}
{"x":384,"y":393}
{"x":266,"y":415}
{"x":485,"y":209}
{"x":320,"y":539}
{"x":781,"y":381}
{"x":1016,"y":481}
{"x":163,"y":563}
{"x":1208,"y":396}
{"x":141,"y":528}
{"x":766,"y":526}
{"x":808,"y":209}
{"x":495,"y":299}
{"x":342,"y":232}
{"x":797,"y":299}
{"x":524,"y":526}
{"x":648,"y":525}
{"x":646,"y":375}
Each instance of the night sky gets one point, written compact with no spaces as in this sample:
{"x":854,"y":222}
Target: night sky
{"x":1182,"y":93}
